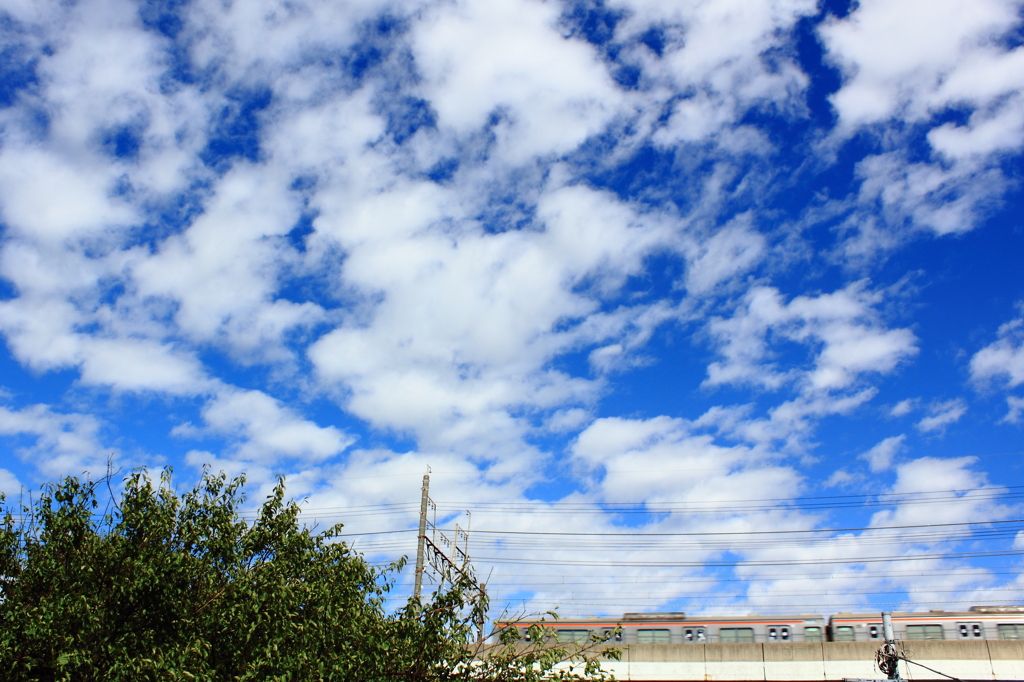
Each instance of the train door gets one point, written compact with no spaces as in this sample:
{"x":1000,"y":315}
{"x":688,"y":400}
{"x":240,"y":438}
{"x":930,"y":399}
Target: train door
{"x":778,"y":633}
{"x":875,"y":631}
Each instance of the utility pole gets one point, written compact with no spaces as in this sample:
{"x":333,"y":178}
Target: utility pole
{"x":421,"y":541}
{"x":888,"y":658}
{"x":481,"y":598}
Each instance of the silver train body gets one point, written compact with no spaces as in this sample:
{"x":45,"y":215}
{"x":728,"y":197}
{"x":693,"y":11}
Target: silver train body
{"x":978,"y":623}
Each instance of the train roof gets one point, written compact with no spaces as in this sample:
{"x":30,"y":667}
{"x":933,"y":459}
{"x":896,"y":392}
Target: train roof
{"x":981,"y":612}
{"x":975,"y":612}
{"x":676,"y":617}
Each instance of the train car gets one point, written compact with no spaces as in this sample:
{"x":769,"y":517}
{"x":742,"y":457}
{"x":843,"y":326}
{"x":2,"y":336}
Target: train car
{"x":676,"y":628}
{"x":977,"y":623}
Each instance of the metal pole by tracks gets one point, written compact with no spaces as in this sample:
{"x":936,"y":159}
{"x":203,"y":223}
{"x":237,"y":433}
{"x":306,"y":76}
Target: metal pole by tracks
{"x":421,"y":538}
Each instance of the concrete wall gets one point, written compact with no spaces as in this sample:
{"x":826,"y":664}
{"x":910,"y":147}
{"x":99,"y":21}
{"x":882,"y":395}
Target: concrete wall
{"x":818,"y":662}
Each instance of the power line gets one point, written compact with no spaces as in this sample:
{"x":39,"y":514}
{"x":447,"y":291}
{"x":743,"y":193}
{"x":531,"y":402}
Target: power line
{"x":643,"y":542}
{"x":749,"y":563}
{"x":693,"y":506}
{"x":749,"y":532}
{"x":563,"y":471}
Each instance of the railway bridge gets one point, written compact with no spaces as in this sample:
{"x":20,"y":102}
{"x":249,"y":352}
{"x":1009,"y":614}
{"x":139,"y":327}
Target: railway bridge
{"x":816,"y":661}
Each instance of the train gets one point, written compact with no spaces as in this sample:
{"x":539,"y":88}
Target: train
{"x":977,"y":623}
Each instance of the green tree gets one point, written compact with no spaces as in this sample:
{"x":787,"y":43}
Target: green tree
{"x":169,"y":587}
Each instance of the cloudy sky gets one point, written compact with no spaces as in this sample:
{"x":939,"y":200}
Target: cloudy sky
{"x":695,"y":304}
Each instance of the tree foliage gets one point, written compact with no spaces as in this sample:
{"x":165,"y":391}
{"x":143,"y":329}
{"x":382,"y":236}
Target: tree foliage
{"x":169,"y":587}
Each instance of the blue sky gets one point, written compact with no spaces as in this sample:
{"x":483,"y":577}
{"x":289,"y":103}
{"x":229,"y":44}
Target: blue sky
{"x":653,"y":275}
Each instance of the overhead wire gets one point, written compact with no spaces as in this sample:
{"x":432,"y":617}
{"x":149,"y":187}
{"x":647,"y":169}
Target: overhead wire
{"x":556,"y":544}
{"x":829,"y":502}
{"x":592,"y":470}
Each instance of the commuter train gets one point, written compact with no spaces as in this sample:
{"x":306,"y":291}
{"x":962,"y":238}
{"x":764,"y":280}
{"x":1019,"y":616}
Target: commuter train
{"x":978,"y":623}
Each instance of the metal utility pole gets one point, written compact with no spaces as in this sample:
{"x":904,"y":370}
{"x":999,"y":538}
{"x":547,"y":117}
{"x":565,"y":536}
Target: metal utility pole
{"x":422,"y":539}
{"x":480,"y":621}
{"x":888,"y":658}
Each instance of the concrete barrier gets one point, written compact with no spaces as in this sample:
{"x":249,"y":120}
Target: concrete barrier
{"x":814,"y":662}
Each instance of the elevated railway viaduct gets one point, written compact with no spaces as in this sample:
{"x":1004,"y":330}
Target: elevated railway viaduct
{"x":815,"y":661}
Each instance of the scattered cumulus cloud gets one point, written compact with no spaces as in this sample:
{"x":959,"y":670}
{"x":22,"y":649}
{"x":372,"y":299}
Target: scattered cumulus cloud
{"x":842,"y":329}
{"x":942,"y":415}
{"x":879,"y":458}
{"x":60,"y":444}
{"x":568,"y":255}
{"x":1016,"y":409}
{"x":903,"y":407}
{"x":1002,"y":360}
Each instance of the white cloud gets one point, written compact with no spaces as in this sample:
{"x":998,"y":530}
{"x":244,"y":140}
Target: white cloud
{"x":904,"y":63}
{"x":1004,"y":358}
{"x":485,"y":57}
{"x":231,"y":297}
{"x":716,"y":58}
{"x":568,"y":420}
{"x":421,"y":312}
{"x":1002,"y":362}
{"x":141,"y":365}
{"x":879,"y":458}
{"x":929,"y":474}
{"x":513,"y":300}
{"x":841,"y":478}
{"x":942,"y":415}
{"x":948,"y":200}
{"x":967,"y":498}
{"x":265,"y":430}
{"x":1016,"y":409}
{"x":731,"y":251}
{"x":899,"y":55}
{"x":903,"y":407}
{"x":788,"y":424}
{"x":668,"y":459}
{"x":10,"y":485}
{"x":63,"y":444}
{"x":843,"y":325}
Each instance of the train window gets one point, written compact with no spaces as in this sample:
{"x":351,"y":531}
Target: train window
{"x":577,"y":636}
{"x":922,"y":632}
{"x":844,"y":633}
{"x":976,"y":629}
{"x":772,"y":634}
{"x":962,"y":629}
{"x":1011,"y":631}
{"x":526,"y":634}
{"x":784,"y":633}
{"x":700,"y":634}
{"x":653,"y":637}
{"x":812,"y":634}
{"x":736,"y":635}
{"x":689,"y":635}
{"x":873,"y":632}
